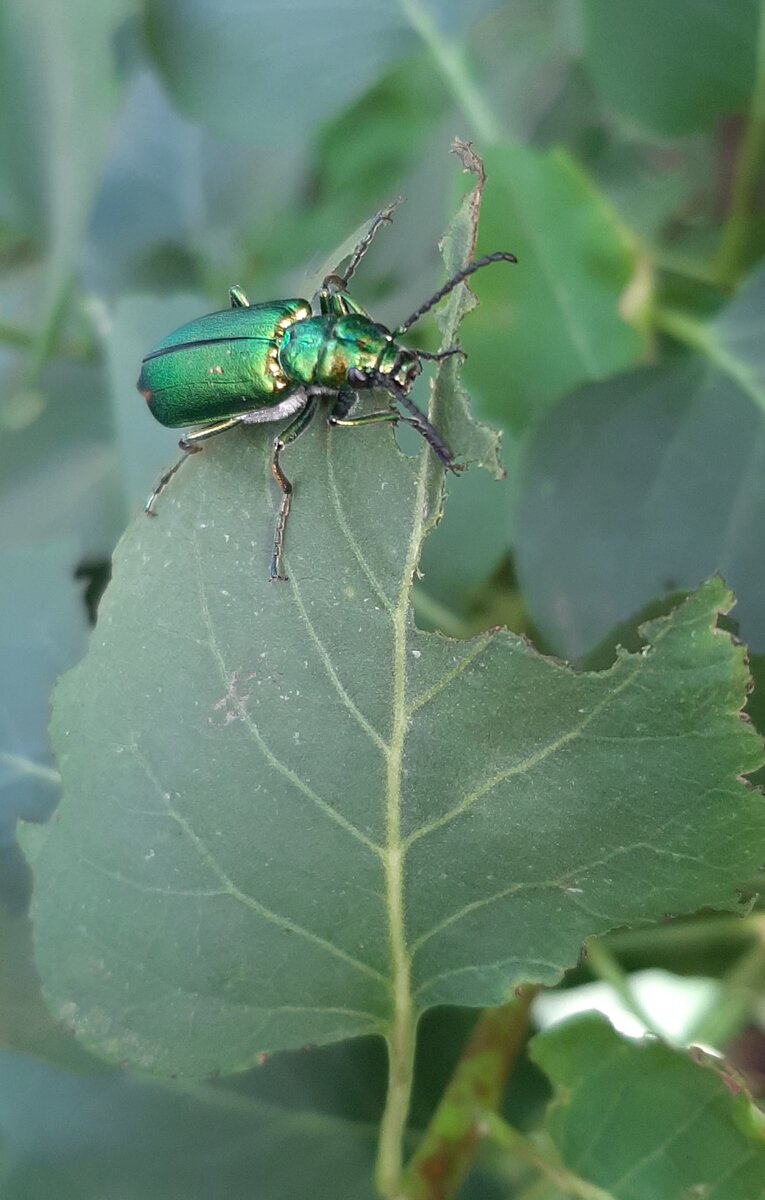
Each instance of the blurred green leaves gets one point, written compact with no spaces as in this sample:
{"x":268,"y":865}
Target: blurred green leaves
{"x":672,"y":68}
{"x":622,"y":360}
{"x":80,"y":1139}
{"x":42,"y":628}
{"x":645,"y":1122}
{"x":557,"y":321}
{"x":649,"y":482}
{"x":59,"y":87}
{"x":243,"y":69}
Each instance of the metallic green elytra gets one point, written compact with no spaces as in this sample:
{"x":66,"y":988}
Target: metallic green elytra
{"x":257,"y":363}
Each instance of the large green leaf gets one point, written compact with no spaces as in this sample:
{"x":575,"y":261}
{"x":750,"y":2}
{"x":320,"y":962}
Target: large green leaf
{"x":672,"y":67}
{"x":143,"y":447}
{"x":733,"y":340}
{"x":285,"y":806}
{"x":308,"y":1115}
{"x":58,"y":92}
{"x":57,"y":464}
{"x":42,"y":632}
{"x":553,"y":321}
{"x":242,"y":68}
{"x":645,"y":1122}
{"x":650,"y":482}
{"x":25,"y":1021}
{"x":756,"y":705}
{"x":199,"y":194}
{"x":81,"y":1138}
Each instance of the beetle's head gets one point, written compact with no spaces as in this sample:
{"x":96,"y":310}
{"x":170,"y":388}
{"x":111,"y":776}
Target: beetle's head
{"x":372,"y":354}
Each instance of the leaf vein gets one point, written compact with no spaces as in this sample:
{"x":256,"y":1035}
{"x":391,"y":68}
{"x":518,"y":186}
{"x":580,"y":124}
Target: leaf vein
{"x":345,"y":699}
{"x":271,"y":758}
{"x":563,"y":884}
{"x":151,"y":889}
{"x":662,"y":1147}
{"x":531,"y":760}
{"x":449,"y":676}
{"x":748,"y":1156}
{"x":248,"y":901}
{"x":477,"y":968}
{"x":356,"y":550}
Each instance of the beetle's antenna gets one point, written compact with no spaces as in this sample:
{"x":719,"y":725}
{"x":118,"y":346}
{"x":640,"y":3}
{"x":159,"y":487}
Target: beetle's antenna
{"x":439,"y":356}
{"x":382,"y":218}
{"x":418,"y":420}
{"x":455,"y":281}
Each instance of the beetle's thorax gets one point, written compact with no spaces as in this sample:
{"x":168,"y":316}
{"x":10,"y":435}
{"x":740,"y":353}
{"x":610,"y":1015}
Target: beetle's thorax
{"x":322,"y":350}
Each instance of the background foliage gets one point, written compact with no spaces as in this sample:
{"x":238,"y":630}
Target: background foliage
{"x":152,"y":154}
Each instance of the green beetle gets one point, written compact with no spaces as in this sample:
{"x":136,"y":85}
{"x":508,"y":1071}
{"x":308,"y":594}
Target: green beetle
{"x":257,"y":363}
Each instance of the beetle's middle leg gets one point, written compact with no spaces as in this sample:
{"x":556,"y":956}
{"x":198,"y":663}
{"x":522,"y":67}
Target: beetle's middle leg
{"x":417,"y":420}
{"x":189,"y":445}
{"x":285,"y":438}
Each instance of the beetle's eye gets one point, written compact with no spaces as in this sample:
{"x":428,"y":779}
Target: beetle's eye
{"x":356,"y":378}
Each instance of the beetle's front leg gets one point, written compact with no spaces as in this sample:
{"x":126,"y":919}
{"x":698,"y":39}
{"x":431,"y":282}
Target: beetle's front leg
{"x":418,"y":421}
{"x":189,"y":444}
{"x":338,"y":414}
{"x":285,"y":438}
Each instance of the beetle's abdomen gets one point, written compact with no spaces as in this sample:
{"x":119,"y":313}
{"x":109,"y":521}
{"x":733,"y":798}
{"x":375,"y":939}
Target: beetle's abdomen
{"x":220,"y":365}
{"x":210,"y":381}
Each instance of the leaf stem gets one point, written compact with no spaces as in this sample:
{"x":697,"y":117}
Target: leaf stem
{"x":401,"y":1037}
{"x":427,"y":507}
{"x":27,"y":766}
{"x":14,"y":335}
{"x":43,"y":343}
{"x":604,"y":966}
{"x":685,"y":266}
{"x":742,"y":988}
{"x":446,"y":1152}
{"x":537,"y":1155}
{"x":450,"y":60}
{"x":731,"y":255}
{"x":438,"y":616}
{"x":702,"y":337}
{"x":718,"y":933}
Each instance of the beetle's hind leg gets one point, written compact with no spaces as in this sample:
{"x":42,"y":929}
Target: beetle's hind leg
{"x":283,"y":439}
{"x":189,"y":444}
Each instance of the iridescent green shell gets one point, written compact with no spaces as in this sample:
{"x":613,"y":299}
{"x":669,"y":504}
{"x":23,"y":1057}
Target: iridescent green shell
{"x":221,"y":364}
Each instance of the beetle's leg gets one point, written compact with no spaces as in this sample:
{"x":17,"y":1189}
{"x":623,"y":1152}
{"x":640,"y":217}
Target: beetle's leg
{"x":338,"y":413}
{"x":419,"y":421}
{"x":383,"y":217}
{"x":188,"y":445}
{"x":285,"y":438}
{"x":375,"y":418}
{"x":344,"y":402}
{"x":238,"y":297}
